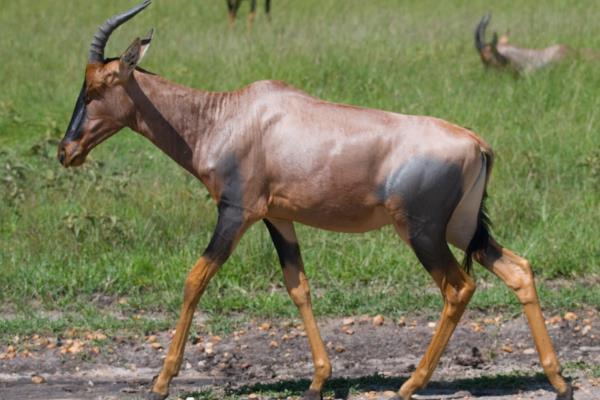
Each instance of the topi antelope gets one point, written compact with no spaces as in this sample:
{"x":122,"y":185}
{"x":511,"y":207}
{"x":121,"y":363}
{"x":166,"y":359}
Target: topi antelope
{"x":234,"y":5}
{"x":273,"y":153}
{"x":499,"y":54}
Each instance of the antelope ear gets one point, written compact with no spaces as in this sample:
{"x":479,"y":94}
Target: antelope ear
{"x":134,"y":54}
{"x":495,"y":40}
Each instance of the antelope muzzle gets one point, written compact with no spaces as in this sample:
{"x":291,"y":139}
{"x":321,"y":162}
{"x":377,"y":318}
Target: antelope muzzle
{"x":70,"y":153}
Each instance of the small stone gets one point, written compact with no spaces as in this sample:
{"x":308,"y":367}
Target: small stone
{"x":347,"y":330}
{"x":209,"y":348}
{"x":156,"y":345}
{"x":507,"y":348}
{"x":529,"y":351}
{"x":188,"y":365}
{"x":348,"y":321}
{"x":388,"y":394}
{"x":152,"y":338}
{"x":38,"y":379}
{"x":273,"y":344}
{"x":431,"y":325}
{"x":265,"y":326}
{"x":222,"y":366}
{"x":340,"y":349}
{"x":586,"y":329}
{"x":570,"y":316}
{"x":252,"y":396}
{"x":557,"y":319}
{"x":287,"y":324}
{"x":378,"y":320}
{"x":401,"y":321}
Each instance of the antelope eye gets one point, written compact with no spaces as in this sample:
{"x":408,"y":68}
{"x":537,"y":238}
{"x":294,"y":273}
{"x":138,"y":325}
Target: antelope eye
{"x":89,"y":96}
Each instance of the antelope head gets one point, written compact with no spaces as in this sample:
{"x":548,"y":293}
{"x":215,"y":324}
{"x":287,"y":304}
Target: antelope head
{"x":489,"y":51}
{"x":103,"y":107}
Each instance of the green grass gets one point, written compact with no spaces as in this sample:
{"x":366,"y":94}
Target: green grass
{"x":130,"y":223}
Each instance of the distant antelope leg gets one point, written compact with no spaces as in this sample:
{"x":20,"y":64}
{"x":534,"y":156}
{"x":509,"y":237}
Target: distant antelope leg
{"x":268,"y":9}
{"x":230,"y":227}
{"x":457,"y":288}
{"x":286,"y":244}
{"x":252,"y":14}
{"x":517,"y":274}
{"x":232,"y":9}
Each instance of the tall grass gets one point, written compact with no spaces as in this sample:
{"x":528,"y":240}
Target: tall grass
{"x":129,"y":224}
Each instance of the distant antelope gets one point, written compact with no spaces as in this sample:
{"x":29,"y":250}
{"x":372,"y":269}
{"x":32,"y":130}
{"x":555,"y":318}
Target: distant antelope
{"x":499,"y":54}
{"x":232,"y":9}
{"x":273,"y":153}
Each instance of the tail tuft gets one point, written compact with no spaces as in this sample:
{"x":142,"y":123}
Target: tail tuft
{"x":481,"y":238}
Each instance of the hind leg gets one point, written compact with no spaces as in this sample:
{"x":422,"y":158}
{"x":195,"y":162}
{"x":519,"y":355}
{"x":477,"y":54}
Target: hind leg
{"x":516,"y":273}
{"x":456,"y":287}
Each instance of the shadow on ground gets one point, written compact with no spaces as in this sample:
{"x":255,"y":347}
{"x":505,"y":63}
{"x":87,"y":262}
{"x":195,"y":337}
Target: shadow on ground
{"x":497,"y":385}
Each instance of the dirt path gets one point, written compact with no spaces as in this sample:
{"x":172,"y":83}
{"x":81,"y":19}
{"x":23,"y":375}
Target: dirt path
{"x":488,"y":358}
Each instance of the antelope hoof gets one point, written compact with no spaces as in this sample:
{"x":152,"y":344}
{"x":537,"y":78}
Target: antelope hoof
{"x":312,"y":394}
{"x":567,"y":395}
{"x":156,"y":396}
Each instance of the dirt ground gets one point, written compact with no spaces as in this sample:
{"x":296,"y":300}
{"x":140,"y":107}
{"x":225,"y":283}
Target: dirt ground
{"x":488,"y":358}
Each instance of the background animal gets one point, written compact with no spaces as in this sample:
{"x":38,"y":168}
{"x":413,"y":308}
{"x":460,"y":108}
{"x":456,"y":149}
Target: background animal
{"x":502,"y":55}
{"x":234,"y":5}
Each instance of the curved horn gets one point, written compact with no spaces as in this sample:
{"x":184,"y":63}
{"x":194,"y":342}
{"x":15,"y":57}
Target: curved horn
{"x":480,"y":31}
{"x":104,"y":31}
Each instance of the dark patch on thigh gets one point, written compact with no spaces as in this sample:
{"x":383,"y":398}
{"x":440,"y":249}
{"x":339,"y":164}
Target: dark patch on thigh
{"x":288,"y":252}
{"x":430,"y":190}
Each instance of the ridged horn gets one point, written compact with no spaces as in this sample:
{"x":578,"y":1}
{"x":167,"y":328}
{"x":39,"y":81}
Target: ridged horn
{"x":104,"y":31}
{"x":480,"y":31}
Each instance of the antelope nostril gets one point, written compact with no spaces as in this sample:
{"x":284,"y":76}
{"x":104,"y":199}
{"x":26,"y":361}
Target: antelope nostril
{"x":61,"y":156}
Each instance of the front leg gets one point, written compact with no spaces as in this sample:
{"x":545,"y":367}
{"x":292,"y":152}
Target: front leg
{"x":231,"y":225}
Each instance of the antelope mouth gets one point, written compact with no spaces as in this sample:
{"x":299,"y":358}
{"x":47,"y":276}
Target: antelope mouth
{"x":72,"y":157}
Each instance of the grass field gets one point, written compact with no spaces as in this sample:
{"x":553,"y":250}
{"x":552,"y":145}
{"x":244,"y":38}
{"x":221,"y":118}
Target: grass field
{"x":108,"y":245}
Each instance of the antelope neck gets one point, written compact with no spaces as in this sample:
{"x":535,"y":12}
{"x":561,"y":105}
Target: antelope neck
{"x":181,"y":121}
